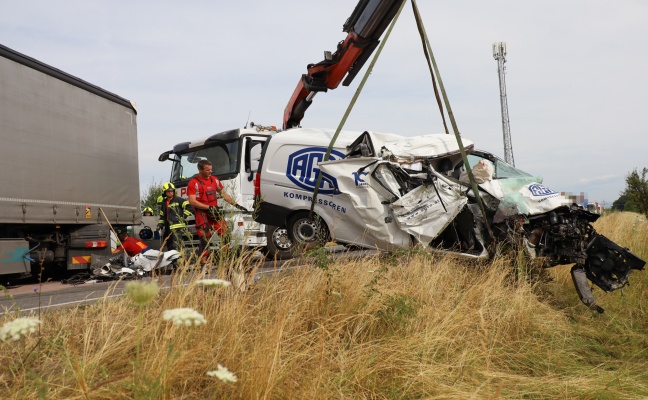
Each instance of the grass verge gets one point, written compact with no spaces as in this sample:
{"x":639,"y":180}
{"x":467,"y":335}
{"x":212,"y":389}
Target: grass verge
{"x":403,"y":326}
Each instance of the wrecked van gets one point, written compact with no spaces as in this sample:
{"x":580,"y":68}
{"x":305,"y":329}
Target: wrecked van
{"x":386,"y":191}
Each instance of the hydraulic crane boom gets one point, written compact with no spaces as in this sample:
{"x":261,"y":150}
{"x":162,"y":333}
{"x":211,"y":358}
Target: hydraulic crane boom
{"x":366,"y":24}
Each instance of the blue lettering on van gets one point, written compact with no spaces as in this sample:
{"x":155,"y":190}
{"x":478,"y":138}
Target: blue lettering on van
{"x":540,"y":190}
{"x":322,"y":202}
{"x":302,"y":169}
{"x":359,"y":179}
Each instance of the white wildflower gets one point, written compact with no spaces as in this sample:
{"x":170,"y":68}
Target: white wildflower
{"x":142,"y":293}
{"x":213,"y":282}
{"x":18,"y":328}
{"x":223,"y":374}
{"x":184,"y":317}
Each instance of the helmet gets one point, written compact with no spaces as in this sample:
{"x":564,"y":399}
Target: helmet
{"x":121,"y":231}
{"x":146,"y":233}
{"x":147,"y":209}
{"x":168,"y":186}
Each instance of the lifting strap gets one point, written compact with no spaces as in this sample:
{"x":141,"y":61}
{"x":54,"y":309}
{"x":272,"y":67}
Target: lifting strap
{"x":464,"y":157}
{"x":350,"y":107}
{"x":434,"y":71}
{"x":430,"y":60}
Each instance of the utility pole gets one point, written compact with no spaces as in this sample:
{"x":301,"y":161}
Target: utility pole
{"x":499,"y":54}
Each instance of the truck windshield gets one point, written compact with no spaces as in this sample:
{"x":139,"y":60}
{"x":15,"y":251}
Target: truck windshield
{"x":223,"y":156}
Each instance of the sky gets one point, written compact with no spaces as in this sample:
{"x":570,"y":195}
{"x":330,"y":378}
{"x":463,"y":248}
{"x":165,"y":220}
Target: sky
{"x":575,"y":73}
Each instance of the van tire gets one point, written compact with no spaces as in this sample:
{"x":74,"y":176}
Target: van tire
{"x":280,"y":247}
{"x":307,"y":233}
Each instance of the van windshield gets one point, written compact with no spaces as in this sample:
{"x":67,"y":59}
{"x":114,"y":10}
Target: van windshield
{"x":223,"y":156}
{"x":502,"y":169}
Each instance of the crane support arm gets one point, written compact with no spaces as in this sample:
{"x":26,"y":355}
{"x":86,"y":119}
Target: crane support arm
{"x":366,"y":24}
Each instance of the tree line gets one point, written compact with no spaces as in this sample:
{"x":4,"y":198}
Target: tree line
{"x":635,"y":196}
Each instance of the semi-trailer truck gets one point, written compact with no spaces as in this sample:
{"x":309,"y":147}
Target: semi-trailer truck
{"x":68,"y":156}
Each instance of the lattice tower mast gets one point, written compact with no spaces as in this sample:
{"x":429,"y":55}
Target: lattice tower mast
{"x":499,"y":54}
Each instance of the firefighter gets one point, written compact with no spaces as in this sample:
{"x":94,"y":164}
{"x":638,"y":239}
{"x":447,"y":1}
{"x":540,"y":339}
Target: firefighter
{"x":203,"y":191}
{"x":173,"y":212}
{"x":147,"y":211}
{"x":159,"y":201}
{"x":129,"y":244}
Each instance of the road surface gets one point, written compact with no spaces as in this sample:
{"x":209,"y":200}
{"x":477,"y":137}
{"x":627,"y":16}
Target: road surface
{"x":30,"y":298}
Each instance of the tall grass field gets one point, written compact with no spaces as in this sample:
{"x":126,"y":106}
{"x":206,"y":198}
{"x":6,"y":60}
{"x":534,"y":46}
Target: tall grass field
{"x":407,"y":325}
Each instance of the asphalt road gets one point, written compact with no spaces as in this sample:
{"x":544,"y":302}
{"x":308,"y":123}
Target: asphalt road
{"x":30,"y":298}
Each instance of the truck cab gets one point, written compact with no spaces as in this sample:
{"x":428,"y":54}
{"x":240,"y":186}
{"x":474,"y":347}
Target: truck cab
{"x":235,"y":156}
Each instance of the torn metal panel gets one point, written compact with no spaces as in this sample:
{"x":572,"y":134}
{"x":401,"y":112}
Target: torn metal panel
{"x":371,"y":206}
{"x":426,"y":211}
{"x":523,"y":196}
{"x":423,"y":147}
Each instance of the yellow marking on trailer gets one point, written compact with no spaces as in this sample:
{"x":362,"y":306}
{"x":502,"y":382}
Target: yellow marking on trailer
{"x":81,"y":259}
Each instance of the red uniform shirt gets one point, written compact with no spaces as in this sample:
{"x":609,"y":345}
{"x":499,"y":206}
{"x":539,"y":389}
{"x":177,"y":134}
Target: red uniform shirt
{"x":206,"y":191}
{"x":132,"y":246}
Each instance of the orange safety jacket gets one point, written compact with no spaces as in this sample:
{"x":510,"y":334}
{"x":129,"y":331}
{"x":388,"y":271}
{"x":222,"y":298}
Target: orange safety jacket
{"x":132,"y":246}
{"x":206,"y":191}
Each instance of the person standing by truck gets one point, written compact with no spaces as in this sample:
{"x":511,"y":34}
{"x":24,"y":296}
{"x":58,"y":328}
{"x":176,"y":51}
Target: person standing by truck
{"x":203,"y":191}
{"x":173,"y":212}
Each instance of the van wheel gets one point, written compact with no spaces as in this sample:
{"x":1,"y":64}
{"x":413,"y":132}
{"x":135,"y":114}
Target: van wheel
{"x":307,"y":233}
{"x":279,"y":244}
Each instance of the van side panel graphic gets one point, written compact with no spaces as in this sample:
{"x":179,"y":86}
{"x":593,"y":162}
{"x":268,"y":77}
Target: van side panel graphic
{"x":302,"y":169}
{"x":540,"y":190}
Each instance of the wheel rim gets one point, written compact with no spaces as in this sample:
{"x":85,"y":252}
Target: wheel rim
{"x":305,"y":231}
{"x":280,"y":239}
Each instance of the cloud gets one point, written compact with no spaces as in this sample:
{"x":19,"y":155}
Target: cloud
{"x":599,"y":179}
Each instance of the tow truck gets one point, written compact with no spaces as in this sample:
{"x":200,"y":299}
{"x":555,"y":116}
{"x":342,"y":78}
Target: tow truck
{"x":365,"y":26}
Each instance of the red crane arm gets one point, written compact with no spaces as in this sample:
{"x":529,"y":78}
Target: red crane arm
{"x":366,"y":24}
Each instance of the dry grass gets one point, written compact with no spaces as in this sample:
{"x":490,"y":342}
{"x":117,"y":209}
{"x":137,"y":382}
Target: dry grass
{"x":403,"y":326}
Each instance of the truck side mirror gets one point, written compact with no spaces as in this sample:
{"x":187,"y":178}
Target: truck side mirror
{"x":252,"y":156}
{"x":165,"y":156}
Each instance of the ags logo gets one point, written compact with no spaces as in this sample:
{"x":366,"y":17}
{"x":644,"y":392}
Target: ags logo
{"x":302,"y":169}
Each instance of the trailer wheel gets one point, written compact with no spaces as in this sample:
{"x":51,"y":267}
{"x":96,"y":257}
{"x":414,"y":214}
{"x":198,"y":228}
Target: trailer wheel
{"x":280,"y":246}
{"x":307,"y":233}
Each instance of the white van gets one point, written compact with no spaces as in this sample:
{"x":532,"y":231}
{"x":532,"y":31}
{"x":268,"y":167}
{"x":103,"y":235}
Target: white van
{"x":287,"y":179}
{"x":385,"y":191}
